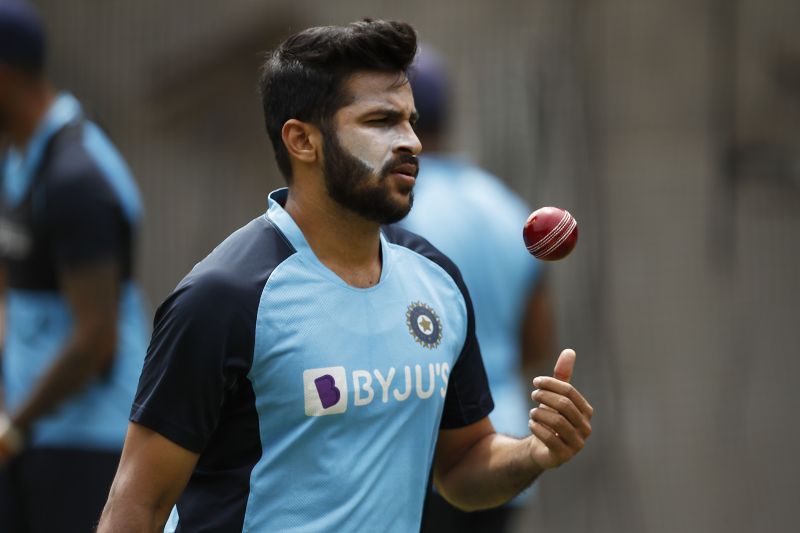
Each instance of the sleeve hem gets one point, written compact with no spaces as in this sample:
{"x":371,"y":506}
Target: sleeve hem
{"x":180,"y":436}
{"x":471,"y":416}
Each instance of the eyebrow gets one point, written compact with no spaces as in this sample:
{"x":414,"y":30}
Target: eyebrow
{"x":393,"y":114}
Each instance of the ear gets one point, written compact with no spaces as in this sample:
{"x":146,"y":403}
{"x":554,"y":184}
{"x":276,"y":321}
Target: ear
{"x":303,"y":141}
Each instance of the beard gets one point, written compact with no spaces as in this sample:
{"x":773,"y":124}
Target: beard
{"x":349,"y":183}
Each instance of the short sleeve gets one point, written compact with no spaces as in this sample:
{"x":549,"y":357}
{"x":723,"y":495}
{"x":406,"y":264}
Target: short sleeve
{"x":468,"y":398}
{"x":84,"y":219}
{"x":202,"y":342}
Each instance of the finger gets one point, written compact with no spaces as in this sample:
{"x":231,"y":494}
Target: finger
{"x":549,"y":437}
{"x":565,"y":365}
{"x":564,"y":406}
{"x":560,"y":426}
{"x":564,"y":389}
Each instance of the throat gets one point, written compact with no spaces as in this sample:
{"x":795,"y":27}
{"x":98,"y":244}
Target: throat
{"x":354,"y":269}
{"x":345,"y":243}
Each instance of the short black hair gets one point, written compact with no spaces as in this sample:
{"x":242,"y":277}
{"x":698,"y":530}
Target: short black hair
{"x":303,"y":77}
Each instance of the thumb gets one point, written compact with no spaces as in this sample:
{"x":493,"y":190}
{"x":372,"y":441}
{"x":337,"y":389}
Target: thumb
{"x":565,"y":365}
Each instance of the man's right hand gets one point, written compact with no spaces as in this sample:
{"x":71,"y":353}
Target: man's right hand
{"x":560,"y":426}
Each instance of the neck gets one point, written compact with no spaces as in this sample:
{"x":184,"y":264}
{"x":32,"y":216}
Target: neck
{"x":28,"y":111}
{"x":343,"y":241}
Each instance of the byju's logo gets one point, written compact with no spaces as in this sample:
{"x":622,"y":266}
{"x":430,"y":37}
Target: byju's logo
{"x":325,"y":391}
{"x":326,"y":388}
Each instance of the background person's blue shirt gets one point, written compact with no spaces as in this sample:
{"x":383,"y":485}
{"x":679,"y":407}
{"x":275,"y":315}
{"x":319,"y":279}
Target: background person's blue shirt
{"x":66,"y":201}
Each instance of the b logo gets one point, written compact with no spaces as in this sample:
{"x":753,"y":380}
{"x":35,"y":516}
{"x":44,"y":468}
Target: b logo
{"x":329,"y":394}
{"x":325,"y":391}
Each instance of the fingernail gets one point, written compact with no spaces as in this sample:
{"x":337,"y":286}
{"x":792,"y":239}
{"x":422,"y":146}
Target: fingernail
{"x":537,"y":382}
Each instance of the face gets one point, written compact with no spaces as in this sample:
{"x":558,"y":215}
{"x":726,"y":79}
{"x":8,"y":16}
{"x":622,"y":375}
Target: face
{"x":370,"y":162}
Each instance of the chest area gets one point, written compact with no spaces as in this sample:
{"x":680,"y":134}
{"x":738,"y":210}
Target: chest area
{"x":330,"y":349}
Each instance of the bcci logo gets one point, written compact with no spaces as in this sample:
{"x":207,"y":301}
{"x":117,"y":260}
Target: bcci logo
{"x":424,"y":325}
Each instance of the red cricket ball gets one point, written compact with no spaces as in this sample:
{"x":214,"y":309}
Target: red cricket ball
{"x":550,"y":233}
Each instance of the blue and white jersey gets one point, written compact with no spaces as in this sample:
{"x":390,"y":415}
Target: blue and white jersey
{"x":314,"y":405}
{"x":477,"y":222}
{"x":68,"y":201}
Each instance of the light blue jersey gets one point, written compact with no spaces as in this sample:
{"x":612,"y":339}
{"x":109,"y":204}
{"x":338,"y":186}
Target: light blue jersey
{"x":477,"y":222}
{"x":314,"y":405}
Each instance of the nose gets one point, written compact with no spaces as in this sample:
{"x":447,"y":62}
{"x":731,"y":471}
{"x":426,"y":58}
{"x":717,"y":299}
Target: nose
{"x":408,"y":141}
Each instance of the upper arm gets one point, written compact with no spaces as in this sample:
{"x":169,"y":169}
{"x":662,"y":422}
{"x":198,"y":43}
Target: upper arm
{"x":89,"y":240}
{"x":453,"y":444}
{"x":85,"y":219}
{"x":152,"y":474}
{"x":92,"y":292}
{"x":202,"y":343}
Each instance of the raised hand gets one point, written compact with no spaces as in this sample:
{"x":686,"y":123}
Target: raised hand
{"x":560,"y":425}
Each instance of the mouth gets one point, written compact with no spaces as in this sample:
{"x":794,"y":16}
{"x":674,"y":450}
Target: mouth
{"x":409,"y":170}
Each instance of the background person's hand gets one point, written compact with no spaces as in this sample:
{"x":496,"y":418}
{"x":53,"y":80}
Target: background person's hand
{"x":11,"y":439}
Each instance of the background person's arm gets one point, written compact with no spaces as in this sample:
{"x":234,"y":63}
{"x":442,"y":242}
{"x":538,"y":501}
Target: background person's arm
{"x":477,"y":468}
{"x":152,"y":474}
{"x":92,"y":292}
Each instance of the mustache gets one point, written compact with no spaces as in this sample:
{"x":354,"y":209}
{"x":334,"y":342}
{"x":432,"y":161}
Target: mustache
{"x":403,"y":163}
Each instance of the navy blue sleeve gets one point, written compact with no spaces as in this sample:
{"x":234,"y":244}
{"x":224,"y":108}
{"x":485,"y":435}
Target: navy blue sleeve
{"x":468,"y":398}
{"x":202,"y":343}
{"x":86,"y":222}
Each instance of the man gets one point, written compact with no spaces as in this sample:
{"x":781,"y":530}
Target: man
{"x":299,"y":376}
{"x":477,"y":222}
{"x":75,"y":333}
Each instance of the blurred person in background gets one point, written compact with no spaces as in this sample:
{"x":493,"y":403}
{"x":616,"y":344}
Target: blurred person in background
{"x":74,"y":332}
{"x":477,"y":222}
{"x":301,"y":375}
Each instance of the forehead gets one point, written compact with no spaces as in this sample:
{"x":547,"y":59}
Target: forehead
{"x":367,"y":90}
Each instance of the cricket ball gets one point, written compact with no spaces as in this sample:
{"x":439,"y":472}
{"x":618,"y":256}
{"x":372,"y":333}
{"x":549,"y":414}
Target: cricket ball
{"x":550,"y":233}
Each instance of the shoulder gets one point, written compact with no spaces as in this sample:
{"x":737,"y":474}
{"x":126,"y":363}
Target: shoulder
{"x":233,"y":275}
{"x":67,"y":162}
{"x":414,"y":242}
{"x":253,"y":250}
{"x":82,"y":159}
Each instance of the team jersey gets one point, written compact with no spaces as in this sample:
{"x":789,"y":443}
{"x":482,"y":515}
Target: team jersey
{"x":68,"y":201}
{"x":314,"y":405}
{"x":477,"y":222}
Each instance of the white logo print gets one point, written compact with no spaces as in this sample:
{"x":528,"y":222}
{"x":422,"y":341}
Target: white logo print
{"x":326,"y":388}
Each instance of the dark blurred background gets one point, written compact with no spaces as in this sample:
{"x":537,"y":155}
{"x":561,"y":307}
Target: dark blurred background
{"x":669,"y":128}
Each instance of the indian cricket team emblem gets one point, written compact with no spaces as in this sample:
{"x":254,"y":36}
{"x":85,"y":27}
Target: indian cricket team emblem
{"x":424,"y":325}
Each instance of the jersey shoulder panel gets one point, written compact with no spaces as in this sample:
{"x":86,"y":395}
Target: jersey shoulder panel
{"x":204,"y":336}
{"x":408,"y":239}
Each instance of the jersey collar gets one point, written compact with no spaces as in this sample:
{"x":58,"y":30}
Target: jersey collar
{"x":19,"y":167}
{"x":286,"y":224}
